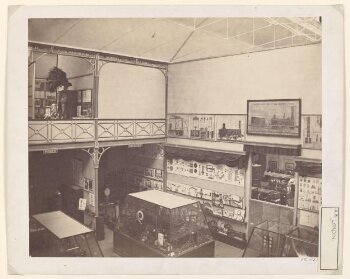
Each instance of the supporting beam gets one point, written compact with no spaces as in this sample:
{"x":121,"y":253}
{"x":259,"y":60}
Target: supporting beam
{"x":296,"y":198}
{"x":247,"y":190}
{"x":182,"y":46}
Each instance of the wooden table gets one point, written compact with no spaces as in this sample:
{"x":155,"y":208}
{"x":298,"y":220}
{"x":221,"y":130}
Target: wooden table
{"x":64,"y":237}
{"x":60,"y":224}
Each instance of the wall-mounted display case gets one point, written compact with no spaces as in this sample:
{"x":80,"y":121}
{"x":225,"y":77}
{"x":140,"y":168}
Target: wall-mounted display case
{"x":208,"y":171}
{"x":178,"y":125}
{"x":158,"y":224}
{"x":230,"y":128}
{"x":274,"y":182}
{"x":202,"y":127}
{"x":312,"y":131}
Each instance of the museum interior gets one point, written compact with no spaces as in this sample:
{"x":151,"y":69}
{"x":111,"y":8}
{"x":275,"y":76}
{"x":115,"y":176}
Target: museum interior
{"x":174,"y":137}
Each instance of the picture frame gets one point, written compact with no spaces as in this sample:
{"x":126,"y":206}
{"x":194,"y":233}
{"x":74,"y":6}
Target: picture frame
{"x":275,"y":117}
{"x":86,"y":96}
{"x":158,"y":173}
{"x":312,"y":131}
{"x":88,"y":184}
{"x":290,"y":166}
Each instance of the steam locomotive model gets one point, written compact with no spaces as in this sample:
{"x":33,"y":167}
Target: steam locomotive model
{"x":230,"y":134}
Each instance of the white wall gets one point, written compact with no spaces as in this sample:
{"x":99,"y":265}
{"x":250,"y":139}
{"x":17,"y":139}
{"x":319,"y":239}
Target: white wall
{"x":76,"y":66}
{"x":127,"y":91}
{"x":223,"y":85}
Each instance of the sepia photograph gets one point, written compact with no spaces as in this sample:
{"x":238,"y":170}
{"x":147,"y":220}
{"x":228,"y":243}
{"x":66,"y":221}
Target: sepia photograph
{"x":196,"y":137}
{"x":134,"y":217}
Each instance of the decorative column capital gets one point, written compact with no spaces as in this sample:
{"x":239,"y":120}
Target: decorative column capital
{"x":96,"y":154}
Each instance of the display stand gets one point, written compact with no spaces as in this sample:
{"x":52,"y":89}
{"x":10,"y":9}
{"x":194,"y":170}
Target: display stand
{"x":62,"y":236}
{"x":272,"y":239}
{"x":158,"y":224}
{"x":267,"y":240}
{"x":301,"y":242}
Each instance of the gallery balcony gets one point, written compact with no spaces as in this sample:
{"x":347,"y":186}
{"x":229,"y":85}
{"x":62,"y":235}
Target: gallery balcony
{"x":85,"y":133}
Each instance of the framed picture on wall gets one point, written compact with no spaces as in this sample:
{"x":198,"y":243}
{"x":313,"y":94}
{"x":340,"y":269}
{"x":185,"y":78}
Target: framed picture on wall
{"x":88,"y":184}
{"x":86,"y":96}
{"x":280,"y":117}
{"x":289,"y":166}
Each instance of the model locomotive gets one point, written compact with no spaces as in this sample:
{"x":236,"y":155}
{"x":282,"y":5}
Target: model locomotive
{"x":230,"y":134}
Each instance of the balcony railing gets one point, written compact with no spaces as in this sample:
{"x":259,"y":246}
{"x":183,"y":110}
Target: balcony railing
{"x":61,"y":131}
{"x":130,"y":129}
{"x":89,"y":130}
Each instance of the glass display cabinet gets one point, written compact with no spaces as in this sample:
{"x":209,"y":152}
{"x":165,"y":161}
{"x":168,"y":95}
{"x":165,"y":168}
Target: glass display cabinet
{"x":273,"y":239}
{"x":301,"y":242}
{"x":178,"y":125}
{"x":158,"y":224}
{"x":55,"y":234}
{"x":267,"y":240}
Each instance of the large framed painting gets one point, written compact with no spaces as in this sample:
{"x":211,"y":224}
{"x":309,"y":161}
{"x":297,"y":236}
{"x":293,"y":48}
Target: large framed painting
{"x":280,"y":117}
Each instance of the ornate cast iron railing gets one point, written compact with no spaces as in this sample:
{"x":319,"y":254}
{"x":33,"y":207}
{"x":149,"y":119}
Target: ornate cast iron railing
{"x":130,"y":129}
{"x":89,"y":130}
{"x":61,"y":131}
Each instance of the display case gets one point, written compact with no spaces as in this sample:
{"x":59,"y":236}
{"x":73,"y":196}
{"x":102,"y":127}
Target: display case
{"x":55,"y":234}
{"x":275,"y":186}
{"x":267,"y":240}
{"x":274,"y":239}
{"x":158,"y":224}
{"x":178,"y":125}
{"x":301,"y":242}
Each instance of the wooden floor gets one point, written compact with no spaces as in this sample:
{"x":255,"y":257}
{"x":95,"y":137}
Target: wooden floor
{"x":222,"y":250}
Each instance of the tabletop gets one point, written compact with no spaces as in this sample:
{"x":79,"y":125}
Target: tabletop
{"x":60,"y":224}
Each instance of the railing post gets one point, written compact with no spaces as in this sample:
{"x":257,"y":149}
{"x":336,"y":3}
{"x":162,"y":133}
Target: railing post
{"x":134,"y":129}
